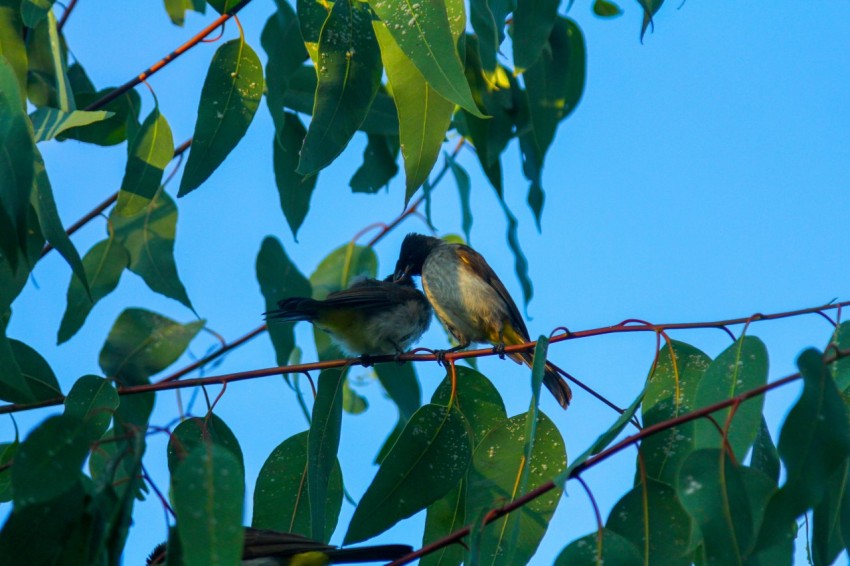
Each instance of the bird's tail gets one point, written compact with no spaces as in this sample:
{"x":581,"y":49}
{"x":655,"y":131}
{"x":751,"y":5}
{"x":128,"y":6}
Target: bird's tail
{"x":294,"y":309}
{"x":378,"y":553}
{"x":553,"y":381}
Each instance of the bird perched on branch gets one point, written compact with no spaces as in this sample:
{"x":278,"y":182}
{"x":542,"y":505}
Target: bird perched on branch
{"x":273,"y":548}
{"x":369,"y":318}
{"x":470,"y":300}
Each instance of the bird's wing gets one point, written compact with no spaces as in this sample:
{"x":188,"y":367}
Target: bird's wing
{"x":479,"y":265}
{"x":371,"y":294}
{"x":261,"y":543}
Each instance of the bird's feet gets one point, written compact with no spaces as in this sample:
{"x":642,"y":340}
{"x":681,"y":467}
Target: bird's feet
{"x":366,"y":361}
{"x":499,"y":350}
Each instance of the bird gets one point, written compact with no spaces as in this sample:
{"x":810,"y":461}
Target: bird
{"x":470,"y":300}
{"x":369,"y":318}
{"x":263,"y":547}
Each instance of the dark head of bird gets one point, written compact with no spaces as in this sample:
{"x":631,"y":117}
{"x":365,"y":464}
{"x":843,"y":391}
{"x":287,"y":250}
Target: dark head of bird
{"x":414,"y":250}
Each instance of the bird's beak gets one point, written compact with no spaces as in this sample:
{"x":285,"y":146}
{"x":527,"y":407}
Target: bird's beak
{"x":401,"y":273}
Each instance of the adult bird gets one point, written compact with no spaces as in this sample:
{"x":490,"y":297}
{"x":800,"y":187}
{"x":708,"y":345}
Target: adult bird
{"x":368,"y":318}
{"x":272,"y":548}
{"x":470,"y":300}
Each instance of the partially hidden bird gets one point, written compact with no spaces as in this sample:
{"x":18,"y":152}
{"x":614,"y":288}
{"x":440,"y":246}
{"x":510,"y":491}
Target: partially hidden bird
{"x":470,"y":300}
{"x":369,"y":318}
{"x":272,"y":548}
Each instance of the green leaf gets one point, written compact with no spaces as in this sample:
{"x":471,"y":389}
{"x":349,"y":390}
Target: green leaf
{"x":281,"y":502}
{"x":739,"y":368}
{"x":142,"y":343}
{"x":222,"y":6}
{"x":423,"y":115}
{"x":532,"y":23}
{"x":177,"y":9}
{"x":477,"y":399}
{"x":606,"y":9}
{"x":340,"y":267}
{"x":555,"y":82}
{"x":16,"y":163}
{"x":93,"y":400}
{"x":7,"y":454}
{"x":194,"y":432}
{"x":402,"y":385}
{"x":765,"y":457}
{"x":352,"y":402}
{"x":208,"y":490}
{"x":595,"y":549}
{"x":12,"y":45}
{"x":50,"y":223}
{"x":279,"y":278}
{"x":49,"y":460}
{"x":463,"y":187}
{"x":840,"y":368}
{"x":229,"y":100}
{"x":498,"y":461}
{"x":149,"y":239}
{"x":312,"y":15}
{"x":103,"y":265}
{"x":300,"y":95}
{"x":713,"y":492}
{"x":428,"y":460}
{"x":281,"y":40}
{"x":445,"y":516}
{"x":379,"y":164}
{"x":650,"y":8}
{"x":827,"y":538}
{"x":150,"y":151}
{"x":115,"y":129}
{"x":33,"y":11}
{"x":813,"y":444}
{"x":651,"y":517}
{"x":50,"y":122}
{"x":36,"y":372}
{"x":294,"y":189}
{"x":48,"y":79}
{"x":488,"y":21}
{"x":670,"y":393}
{"x":520,"y":263}
{"x":423,"y":32}
{"x":349,"y":74}
{"x":14,"y":272}
{"x":13,"y":386}
{"x":322,"y":448}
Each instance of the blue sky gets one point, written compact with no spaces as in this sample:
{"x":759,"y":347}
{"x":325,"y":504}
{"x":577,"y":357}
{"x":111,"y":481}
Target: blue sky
{"x":703,"y":176}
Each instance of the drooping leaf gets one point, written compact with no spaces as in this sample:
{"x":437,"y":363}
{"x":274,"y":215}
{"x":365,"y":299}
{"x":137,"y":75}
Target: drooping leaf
{"x":352,"y":402}
{"x":281,"y":40}
{"x":712,"y":490}
{"x":322,"y":448}
{"x":477,"y":399}
{"x":671,"y":392}
{"x":103,"y":265}
{"x":300,"y":95}
{"x":208,"y":491}
{"x":7,"y":454}
{"x":488,"y":21}
{"x":827,"y":538}
{"x":142,"y":343}
{"x":424,"y":34}
{"x":520,"y":263}
{"x":651,"y":517}
{"x":532,"y":23}
{"x":312,"y":15}
{"x":113,"y":130}
{"x":427,"y":461}
{"x":35,"y":370}
{"x":279,"y":278}
{"x":765,"y":457}
{"x":463,"y":187}
{"x":340,"y":267}
{"x":594,"y":550}
{"x":402,"y":385}
{"x":281,"y":502}
{"x":424,"y":115}
{"x":813,"y":444}
{"x":222,"y":6}
{"x":840,"y":368}
{"x":606,"y":9}
{"x":12,"y":45}
{"x":49,"y":460}
{"x":33,"y":11}
{"x":379,"y":164}
{"x":229,"y":100}
{"x":13,"y":386}
{"x":148,"y":237}
{"x":194,"y":432}
{"x":349,"y":74}
{"x":50,"y":122}
{"x":177,"y":9}
{"x":93,"y":400}
{"x":15,"y":271}
{"x":739,"y":368}
{"x":498,"y":461}
{"x":50,"y":223}
{"x":445,"y":516}
{"x":650,"y":8}
{"x":16,"y":164}
{"x":148,"y":153}
{"x":294,"y":189}
{"x":48,"y":83}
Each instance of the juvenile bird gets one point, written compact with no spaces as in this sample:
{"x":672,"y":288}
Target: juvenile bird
{"x":470,"y":300}
{"x":369,"y":318}
{"x":271,"y":548}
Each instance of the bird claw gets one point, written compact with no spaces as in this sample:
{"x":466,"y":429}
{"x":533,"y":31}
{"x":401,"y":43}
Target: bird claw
{"x":499,"y":350}
{"x":440,"y":355}
{"x":366,"y":361}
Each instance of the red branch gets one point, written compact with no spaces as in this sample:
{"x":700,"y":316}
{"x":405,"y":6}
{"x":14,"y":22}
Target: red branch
{"x":65,"y":15}
{"x":101,"y":102}
{"x":413,"y":356}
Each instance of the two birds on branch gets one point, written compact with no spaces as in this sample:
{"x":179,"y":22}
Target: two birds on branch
{"x":375,"y":317}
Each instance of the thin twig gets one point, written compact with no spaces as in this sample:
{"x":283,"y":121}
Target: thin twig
{"x":65,"y":15}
